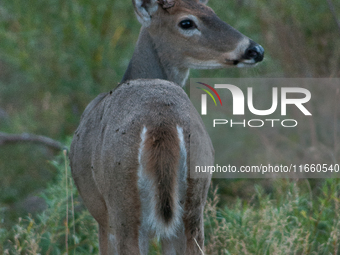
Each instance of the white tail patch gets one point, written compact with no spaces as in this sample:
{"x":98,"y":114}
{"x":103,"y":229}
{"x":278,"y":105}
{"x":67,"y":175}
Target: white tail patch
{"x":183,"y":169}
{"x":151,"y":224}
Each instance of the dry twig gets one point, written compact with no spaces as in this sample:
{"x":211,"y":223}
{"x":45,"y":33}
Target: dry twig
{"x":6,"y":138}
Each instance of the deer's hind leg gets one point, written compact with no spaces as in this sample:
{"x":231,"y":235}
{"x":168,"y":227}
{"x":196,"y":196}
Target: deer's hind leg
{"x":193,"y":218}
{"x":124,"y":217}
{"x":104,"y":241}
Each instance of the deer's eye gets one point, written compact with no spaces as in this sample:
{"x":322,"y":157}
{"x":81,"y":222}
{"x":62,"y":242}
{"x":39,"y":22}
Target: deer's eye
{"x":187,"y":24}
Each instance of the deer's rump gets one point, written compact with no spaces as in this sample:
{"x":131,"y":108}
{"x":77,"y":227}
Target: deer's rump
{"x":104,"y":160}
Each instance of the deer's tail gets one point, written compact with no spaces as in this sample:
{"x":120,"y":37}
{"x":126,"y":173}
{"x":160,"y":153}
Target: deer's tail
{"x":162,"y":159}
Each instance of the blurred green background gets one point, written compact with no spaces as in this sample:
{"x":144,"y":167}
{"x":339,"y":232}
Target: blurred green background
{"x":57,"y":55}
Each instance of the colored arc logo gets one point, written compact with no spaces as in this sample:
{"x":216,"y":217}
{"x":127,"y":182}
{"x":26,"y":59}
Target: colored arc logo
{"x":208,"y":92}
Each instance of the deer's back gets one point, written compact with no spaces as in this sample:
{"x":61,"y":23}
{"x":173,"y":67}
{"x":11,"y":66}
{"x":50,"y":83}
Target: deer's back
{"x":109,"y":132}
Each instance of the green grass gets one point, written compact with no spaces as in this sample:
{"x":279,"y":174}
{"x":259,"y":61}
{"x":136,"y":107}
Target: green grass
{"x":45,"y":233}
{"x":292,"y":221}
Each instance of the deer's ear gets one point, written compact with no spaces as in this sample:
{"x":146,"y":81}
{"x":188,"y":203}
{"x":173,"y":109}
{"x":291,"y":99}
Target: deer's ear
{"x":204,"y":1}
{"x":144,"y":10}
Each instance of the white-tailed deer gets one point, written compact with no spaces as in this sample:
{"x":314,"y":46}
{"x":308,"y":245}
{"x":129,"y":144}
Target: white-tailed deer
{"x":130,"y":155}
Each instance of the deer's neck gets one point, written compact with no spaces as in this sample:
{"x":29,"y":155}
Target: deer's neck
{"x":146,"y":63}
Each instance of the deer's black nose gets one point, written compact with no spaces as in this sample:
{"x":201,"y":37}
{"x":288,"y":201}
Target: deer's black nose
{"x":255,"y":52}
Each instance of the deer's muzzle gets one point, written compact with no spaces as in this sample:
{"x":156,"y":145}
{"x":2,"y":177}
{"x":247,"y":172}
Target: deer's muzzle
{"x":254,"y":52}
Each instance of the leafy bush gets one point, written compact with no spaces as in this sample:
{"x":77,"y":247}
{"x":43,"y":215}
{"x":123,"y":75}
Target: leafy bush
{"x":65,"y":217}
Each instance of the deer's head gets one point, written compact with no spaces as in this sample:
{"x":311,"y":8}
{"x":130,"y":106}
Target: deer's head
{"x":190,"y":33}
